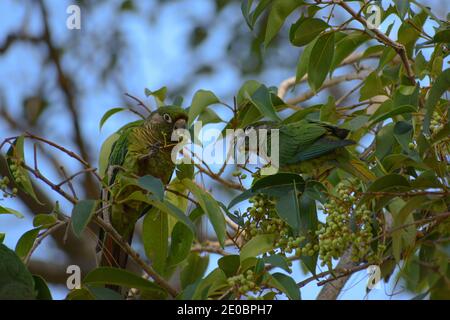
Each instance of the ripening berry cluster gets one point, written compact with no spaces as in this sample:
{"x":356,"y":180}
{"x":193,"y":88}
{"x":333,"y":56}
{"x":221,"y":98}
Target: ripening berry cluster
{"x":4,"y":182}
{"x":346,"y":226}
{"x":244,"y":283}
{"x":437,"y":122}
{"x":16,"y":171}
{"x":262,"y":218}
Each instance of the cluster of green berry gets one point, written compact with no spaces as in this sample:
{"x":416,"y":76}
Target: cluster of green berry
{"x":346,"y":226}
{"x":437,"y":122}
{"x":4,"y":182}
{"x":16,"y":171}
{"x":244,"y":283}
{"x":262,"y":218}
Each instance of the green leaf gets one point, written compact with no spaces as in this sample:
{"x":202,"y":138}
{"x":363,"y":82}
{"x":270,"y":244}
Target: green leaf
{"x":229,"y":264}
{"x":43,"y":292}
{"x":252,"y":16}
{"x":184,"y":171}
{"x":194,"y":270}
{"x":154,"y":185}
{"x":213,"y":282}
{"x":394,"y":112}
{"x":16,"y":282}
{"x":26,"y":242}
{"x":442,"y":36}
{"x":2,"y":237}
{"x":402,"y":7}
{"x":346,"y":46}
{"x":155,"y":236}
{"x":119,"y":277}
{"x":159,"y":95}
{"x":241,"y":197}
{"x":303,"y":62}
{"x":80,"y":294}
{"x":441,"y":85}
{"x":180,"y":244}
{"x":257,"y":245}
{"x":278,"y":184}
{"x":319,"y":67}
{"x":100,"y":293}
{"x":105,"y":152}
{"x":202,"y":99}
{"x":388,"y":182}
{"x":278,"y":260}
{"x":4,"y":210}
{"x":15,"y":158}
{"x":165,"y":206}
{"x":211,"y":208}
{"x":279,"y":11}
{"x":82,"y":213}
{"x":209,"y":116}
{"x":372,"y":87}
{"x":44,"y":220}
{"x":108,"y":114}
{"x":288,"y":209}
{"x":328,"y":112}
{"x":262,"y":100}
{"x":305,"y":30}
{"x":285,"y":284}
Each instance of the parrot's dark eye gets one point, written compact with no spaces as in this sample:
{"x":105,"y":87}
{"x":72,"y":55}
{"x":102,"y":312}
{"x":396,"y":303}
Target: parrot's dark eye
{"x":167,"y":118}
{"x":248,"y":129}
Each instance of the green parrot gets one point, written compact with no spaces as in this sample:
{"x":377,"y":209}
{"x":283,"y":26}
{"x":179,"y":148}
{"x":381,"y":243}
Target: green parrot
{"x":16,"y":282}
{"x":314,"y":148}
{"x":143,"y":148}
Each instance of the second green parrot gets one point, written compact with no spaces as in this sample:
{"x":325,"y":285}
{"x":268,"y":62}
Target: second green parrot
{"x":313,"y":147}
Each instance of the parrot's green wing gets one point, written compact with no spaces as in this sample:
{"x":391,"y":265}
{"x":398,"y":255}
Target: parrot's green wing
{"x":16,"y":282}
{"x":321,"y":147}
{"x":297,"y":136}
{"x":120,"y":148}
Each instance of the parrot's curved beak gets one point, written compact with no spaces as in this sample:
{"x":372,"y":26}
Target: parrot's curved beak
{"x":180,"y":124}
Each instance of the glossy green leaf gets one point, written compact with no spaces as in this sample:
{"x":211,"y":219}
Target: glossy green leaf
{"x":320,"y":65}
{"x":285,"y":284}
{"x":262,"y":100}
{"x":4,"y":210}
{"x":154,"y":185}
{"x":201,"y":100}
{"x":41,"y":288}
{"x":26,"y":241}
{"x":194,"y":270}
{"x":303,"y":62}
{"x":118,"y":277}
{"x":108,"y":114}
{"x":211,"y":208}
{"x":257,"y":245}
{"x":16,"y":282}
{"x":155,"y":234}
{"x":305,"y":30}
{"x":180,"y":244}
{"x":279,"y":11}
{"x":82,"y":213}
{"x":44,"y":220}
{"x":229,"y":264}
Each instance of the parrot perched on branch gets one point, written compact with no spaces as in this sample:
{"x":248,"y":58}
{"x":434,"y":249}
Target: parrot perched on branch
{"x":314,"y":148}
{"x":143,"y":148}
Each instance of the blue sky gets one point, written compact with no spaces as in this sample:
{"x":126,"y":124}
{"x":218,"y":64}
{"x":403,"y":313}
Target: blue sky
{"x":157,"y":56}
